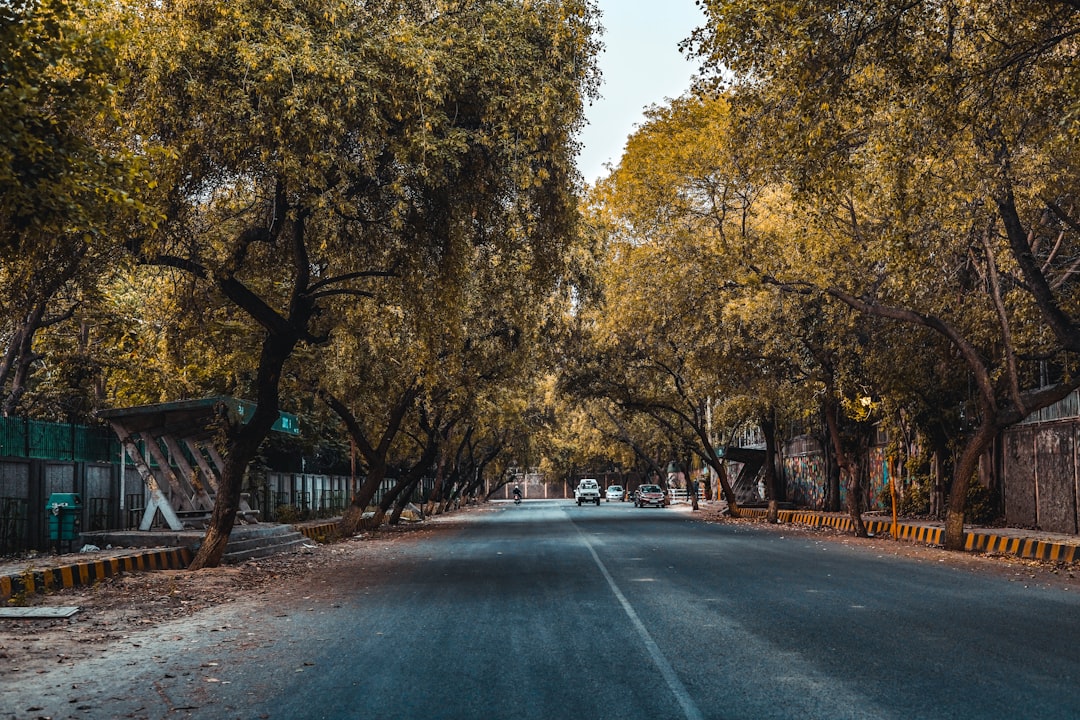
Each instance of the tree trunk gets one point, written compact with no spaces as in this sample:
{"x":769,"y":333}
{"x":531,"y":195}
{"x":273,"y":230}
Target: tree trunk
{"x":23,"y":365}
{"x":474,"y":485}
{"x":238,"y":455}
{"x":691,"y":485}
{"x":855,"y":490}
{"x":937,"y":490}
{"x":501,"y":483}
{"x":451,"y":487}
{"x":719,"y":464}
{"x":376,"y":519}
{"x":768,"y":429}
{"x":492,"y":452}
{"x":352,"y":520}
{"x":847,"y":468}
{"x":725,"y":487}
{"x":374,"y":453}
{"x":450,"y":498}
{"x":403,"y":501}
{"x":398,"y":491}
{"x":940,"y":468}
{"x":241,"y":448}
{"x":963,"y":472}
{"x":18,"y":359}
{"x":436,"y":490}
{"x":832,"y":501}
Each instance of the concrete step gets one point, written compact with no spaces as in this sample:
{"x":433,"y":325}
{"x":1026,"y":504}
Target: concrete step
{"x":249,"y":543}
{"x":263,"y":551}
{"x":245,"y":541}
{"x":260,"y":531}
{"x":256,"y":541}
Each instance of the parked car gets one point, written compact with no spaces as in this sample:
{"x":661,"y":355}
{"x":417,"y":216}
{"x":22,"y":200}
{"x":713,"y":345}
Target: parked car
{"x":615,"y":492}
{"x":649,"y":495}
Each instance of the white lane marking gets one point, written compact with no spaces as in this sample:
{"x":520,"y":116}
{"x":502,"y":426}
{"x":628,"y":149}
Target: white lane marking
{"x":690,"y":710}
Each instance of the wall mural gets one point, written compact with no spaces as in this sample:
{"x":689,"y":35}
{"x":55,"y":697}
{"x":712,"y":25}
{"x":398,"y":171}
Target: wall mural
{"x":806,"y":480}
{"x":879,"y":479}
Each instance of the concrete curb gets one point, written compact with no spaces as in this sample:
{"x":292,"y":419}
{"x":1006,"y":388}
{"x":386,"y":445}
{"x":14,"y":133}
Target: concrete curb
{"x":71,"y":574}
{"x":31,"y":581}
{"x":319,"y":532}
{"x":975,"y":541}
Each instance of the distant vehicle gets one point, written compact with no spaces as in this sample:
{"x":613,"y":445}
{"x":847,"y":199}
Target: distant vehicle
{"x":615,"y":492}
{"x":587,"y":490}
{"x":649,"y":495}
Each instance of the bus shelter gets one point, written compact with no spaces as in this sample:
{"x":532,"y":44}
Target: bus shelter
{"x":172,"y":447}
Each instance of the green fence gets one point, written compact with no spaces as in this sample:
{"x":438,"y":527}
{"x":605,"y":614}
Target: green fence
{"x":20,"y":437}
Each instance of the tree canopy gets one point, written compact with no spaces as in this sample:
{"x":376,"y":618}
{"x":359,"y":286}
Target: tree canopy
{"x":863,"y":215}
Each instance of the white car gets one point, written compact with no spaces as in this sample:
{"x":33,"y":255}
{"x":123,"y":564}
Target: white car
{"x":587,"y":491}
{"x":615,"y":492}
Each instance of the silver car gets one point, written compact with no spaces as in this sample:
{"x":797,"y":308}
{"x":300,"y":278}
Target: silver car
{"x":615,"y":492}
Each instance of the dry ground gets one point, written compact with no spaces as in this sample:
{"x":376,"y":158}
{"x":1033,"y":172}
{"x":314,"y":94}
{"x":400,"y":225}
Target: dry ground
{"x":112,"y":609}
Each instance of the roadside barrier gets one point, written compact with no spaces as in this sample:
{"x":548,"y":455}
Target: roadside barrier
{"x":986,"y":541}
{"x":31,"y":581}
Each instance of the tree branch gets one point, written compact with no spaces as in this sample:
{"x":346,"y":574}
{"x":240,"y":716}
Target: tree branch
{"x":174,"y":261}
{"x":971,"y":355}
{"x":1063,"y":326}
{"x":1003,"y":320}
{"x":338,"y":279}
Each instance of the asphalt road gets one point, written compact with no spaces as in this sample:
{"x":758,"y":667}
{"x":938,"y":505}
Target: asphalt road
{"x":549,"y":610}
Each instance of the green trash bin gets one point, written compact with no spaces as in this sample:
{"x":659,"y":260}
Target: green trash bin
{"x":65,"y":516}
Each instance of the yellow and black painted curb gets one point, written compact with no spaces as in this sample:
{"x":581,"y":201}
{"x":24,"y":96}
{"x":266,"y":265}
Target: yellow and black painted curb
{"x":1029,"y":548}
{"x":31,"y":581}
{"x":988,"y":542}
{"x":321,"y":533}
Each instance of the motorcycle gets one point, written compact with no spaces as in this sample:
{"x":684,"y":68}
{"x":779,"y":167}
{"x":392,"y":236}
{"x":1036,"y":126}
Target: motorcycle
{"x":517,"y":499}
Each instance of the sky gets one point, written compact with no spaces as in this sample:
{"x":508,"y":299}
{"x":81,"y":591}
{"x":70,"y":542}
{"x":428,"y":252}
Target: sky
{"x":641,"y":66}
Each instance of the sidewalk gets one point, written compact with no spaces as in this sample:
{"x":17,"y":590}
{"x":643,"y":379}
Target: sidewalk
{"x":1030,"y":544}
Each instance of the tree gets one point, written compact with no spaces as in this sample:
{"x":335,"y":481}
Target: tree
{"x":65,"y":181}
{"x":371,"y":379}
{"x":306,"y":151}
{"x":59,"y":173}
{"x":682,"y":214}
{"x":648,"y":351}
{"x":925,"y":140}
{"x":30,"y":292}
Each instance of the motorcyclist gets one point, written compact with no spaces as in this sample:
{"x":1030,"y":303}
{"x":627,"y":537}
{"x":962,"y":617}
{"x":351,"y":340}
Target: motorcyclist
{"x":517,"y":492}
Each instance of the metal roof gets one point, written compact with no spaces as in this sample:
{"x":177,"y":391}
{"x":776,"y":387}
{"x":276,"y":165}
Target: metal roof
{"x":190,"y":418}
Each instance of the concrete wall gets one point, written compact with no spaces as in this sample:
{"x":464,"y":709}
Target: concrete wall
{"x":805,"y":474}
{"x":1039,"y":476}
{"x":25,"y":487}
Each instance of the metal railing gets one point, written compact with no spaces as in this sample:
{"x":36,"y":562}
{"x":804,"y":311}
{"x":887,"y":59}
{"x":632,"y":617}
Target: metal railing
{"x":25,"y":438}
